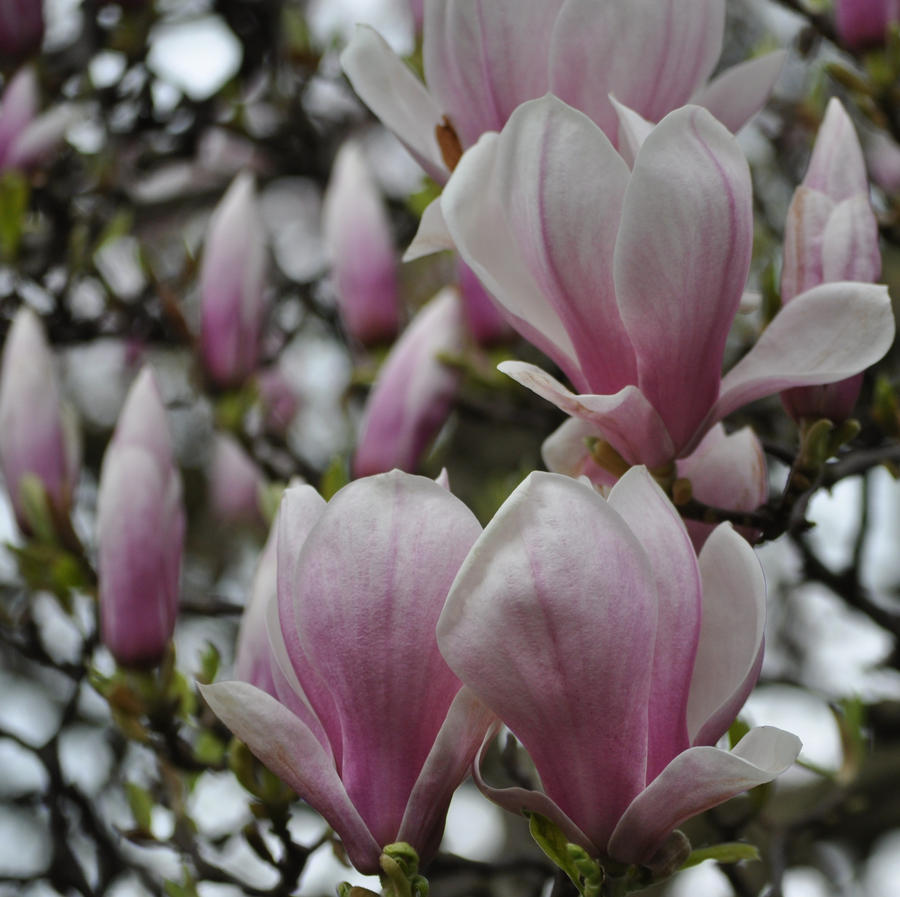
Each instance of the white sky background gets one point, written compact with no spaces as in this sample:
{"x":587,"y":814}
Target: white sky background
{"x":196,"y":55}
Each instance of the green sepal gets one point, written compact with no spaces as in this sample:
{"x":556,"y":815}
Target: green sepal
{"x":335,"y":477}
{"x":36,"y":508}
{"x":554,"y":844}
{"x":729,"y":852}
{"x":400,"y":871}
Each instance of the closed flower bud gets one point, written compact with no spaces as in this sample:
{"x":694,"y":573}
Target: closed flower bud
{"x":360,"y":244}
{"x":831,"y":234}
{"x":36,"y":438}
{"x":140,"y":530}
{"x":415,"y":389}
{"x":21,"y":28}
{"x":232,"y":286}
{"x":861,"y":23}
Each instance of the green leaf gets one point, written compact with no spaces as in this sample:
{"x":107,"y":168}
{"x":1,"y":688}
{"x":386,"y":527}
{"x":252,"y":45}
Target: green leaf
{"x":209,"y":664}
{"x":554,"y":844}
{"x":141,"y":804}
{"x":729,"y":852}
{"x":736,"y":732}
{"x":14,"y":194}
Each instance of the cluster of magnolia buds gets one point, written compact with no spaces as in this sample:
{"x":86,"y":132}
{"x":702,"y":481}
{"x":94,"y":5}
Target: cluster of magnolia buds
{"x":601,"y":208}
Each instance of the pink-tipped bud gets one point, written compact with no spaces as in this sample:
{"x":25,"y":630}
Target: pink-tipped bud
{"x":21,"y":28}
{"x":831,"y":234}
{"x":862,"y":23}
{"x":360,"y":244}
{"x":232,"y":286}
{"x":37,"y":441}
{"x":415,"y":389}
{"x":140,"y":530}
{"x":235,"y":483}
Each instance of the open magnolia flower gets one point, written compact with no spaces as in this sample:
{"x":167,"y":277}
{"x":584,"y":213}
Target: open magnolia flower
{"x":370,"y":726}
{"x":630,"y":279}
{"x":482,"y":58}
{"x":616,"y":657}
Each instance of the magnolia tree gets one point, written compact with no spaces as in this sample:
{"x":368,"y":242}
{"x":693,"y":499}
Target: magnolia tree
{"x":394,"y":435}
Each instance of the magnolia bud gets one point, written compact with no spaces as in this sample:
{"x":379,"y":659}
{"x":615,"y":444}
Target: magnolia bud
{"x":861,"y":23}
{"x":21,"y":28}
{"x":414,"y":392}
{"x":232,"y":284}
{"x":359,"y":241}
{"x":140,"y":530}
{"x":36,"y":438}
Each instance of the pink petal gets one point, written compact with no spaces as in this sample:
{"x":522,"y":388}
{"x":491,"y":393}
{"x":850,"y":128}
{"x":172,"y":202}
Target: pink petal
{"x":551,"y":210}
{"x":626,"y":420}
{"x":520,"y":800}
{"x":485,"y":318}
{"x":729,"y":655}
{"x":804,"y":231}
{"x":837,"y":167}
{"x":696,"y":780}
{"x":535,"y":624}
{"x":18,"y":107}
{"x":826,"y":334}
{"x":374,"y":573}
{"x":448,"y":763}
{"x":477,"y":218}
{"x":651,"y":54}
{"x":40,"y":139}
{"x":483,"y":58}
{"x":633,"y":131}
{"x":389,"y":88}
{"x":681,"y":262}
{"x":658,"y":526}
{"x":287,"y":747}
{"x":726,"y":471}
{"x":432,"y":234}
{"x":415,"y":389}
{"x":738,"y":93}
{"x":850,"y":248}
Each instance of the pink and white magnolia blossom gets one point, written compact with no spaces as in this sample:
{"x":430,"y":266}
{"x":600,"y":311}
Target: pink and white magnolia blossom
{"x":616,"y":656}
{"x":140,"y":530}
{"x":415,"y":388}
{"x":360,"y":244}
{"x":861,"y":23}
{"x":21,"y":28}
{"x":232,"y":286}
{"x":27,"y":138}
{"x":630,"y":279}
{"x":37,"y":438}
{"x":370,"y":726}
{"x":830,"y":234}
{"x":482,"y":58}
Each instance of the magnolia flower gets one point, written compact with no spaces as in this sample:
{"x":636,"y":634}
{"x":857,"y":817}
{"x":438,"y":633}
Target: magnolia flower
{"x":232,"y":285}
{"x":21,"y":27}
{"x":830,"y":234}
{"x":415,"y":389}
{"x":140,"y":530}
{"x":482,"y":58}
{"x":37,"y":438}
{"x":630,"y":280}
{"x":370,"y":726}
{"x":616,"y":657}
{"x":860,"y":23}
{"x":26,"y":138}
{"x":360,"y":243}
